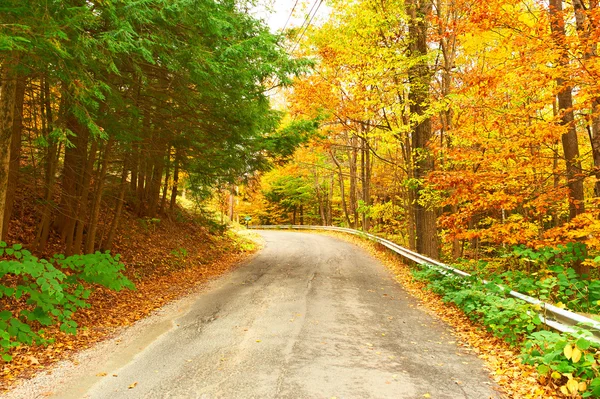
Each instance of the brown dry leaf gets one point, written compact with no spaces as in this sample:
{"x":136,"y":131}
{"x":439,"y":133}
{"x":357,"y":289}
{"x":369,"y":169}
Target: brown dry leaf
{"x":33,"y":360}
{"x":516,"y":379}
{"x":158,"y":277}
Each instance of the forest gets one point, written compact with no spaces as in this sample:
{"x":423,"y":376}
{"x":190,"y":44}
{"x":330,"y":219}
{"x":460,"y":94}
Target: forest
{"x":468,"y":131}
{"x":115,"y":101}
{"x":458,"y":128}
{"x":113,"y":112}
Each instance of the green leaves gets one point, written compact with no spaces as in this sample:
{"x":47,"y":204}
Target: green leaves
{"x":53,"y":291}
{"x":282,"y":143}
{"x":568,"y":358}
{"x":555,"y":281}
{"x":506,"y":317}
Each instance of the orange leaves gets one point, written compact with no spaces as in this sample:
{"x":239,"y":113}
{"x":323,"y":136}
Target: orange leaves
{"x":584,"y":228}
{"x":516,"y":379}
{"x":158,"y":278}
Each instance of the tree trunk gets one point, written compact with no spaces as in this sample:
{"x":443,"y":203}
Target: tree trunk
{"x":73,"y":166}
{"x":342,"y":193}
{"x":73,"y":176}
{"x":141,"y":178}
{"x":365,"y":161}
{"x":15,"y":154}
{"x":151,"y":164}
{"x":420,"y":80}
{"x":409,"y":205}
{"x":585,"y":26}
{"x":112,"y":232}
{"x":135,"y":155}
{"x":8,"y":92}
{"x":231,"y":202}
{"x":84,"y":198}
{"x":163,"y":201}
{"x":90,"y":239}
{"x":353,"y":185}
{"x":329,"y":213}
{"x":51,"y":164}
{"x":144,"y":166}
{"x":157,"y":172}
{"x":447,"y":43}
{"x":175,"y":180}
{"x":565,"y":108}
{"x":320,"y":199}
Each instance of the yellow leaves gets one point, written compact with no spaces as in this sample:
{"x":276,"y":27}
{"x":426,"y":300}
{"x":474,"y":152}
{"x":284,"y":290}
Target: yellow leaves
{"x":568,"y":351}
{"x":576,"y":356}
{"x":556,"y":375}
{"x":528,"y":19}
{"x":572,"y":387}
{"x":133,"y":385}
{"x":572,"y":353}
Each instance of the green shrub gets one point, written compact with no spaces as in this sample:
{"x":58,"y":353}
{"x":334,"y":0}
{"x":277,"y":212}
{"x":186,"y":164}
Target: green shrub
{"x":555,"y":281}
{"x":52,"y":290}
{"x":503,"y":316}
{"x":571,"y":359}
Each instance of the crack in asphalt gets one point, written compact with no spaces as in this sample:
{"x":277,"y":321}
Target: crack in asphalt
{"x":310,"y":316}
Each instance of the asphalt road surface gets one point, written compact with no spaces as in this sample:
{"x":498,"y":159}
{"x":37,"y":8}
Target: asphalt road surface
{"x":310,"y":316}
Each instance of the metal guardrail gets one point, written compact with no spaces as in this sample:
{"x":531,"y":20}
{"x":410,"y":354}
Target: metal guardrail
{"x":554,"y":317}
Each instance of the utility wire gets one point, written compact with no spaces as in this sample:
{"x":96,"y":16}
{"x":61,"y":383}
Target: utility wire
{"x":306,"y":18}
{"x":309,"y":22}
{"x":290,"y":16}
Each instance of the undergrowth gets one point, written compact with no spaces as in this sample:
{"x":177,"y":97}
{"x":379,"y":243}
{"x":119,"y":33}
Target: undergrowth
{"x":570,"y":360}
{"x":49,"y":291}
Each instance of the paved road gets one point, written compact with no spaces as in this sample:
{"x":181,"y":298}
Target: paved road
{"x":309,"y":317}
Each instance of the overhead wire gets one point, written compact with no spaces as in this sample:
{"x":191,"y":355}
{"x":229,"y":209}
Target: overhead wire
{"x":290,"y":16}
{"x":299,"y":39}
{"x":306,"y":18}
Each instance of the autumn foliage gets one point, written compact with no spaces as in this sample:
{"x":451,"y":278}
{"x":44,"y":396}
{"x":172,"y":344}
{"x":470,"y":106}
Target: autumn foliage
{"x":512,"y":101}
{"x":468,"y":130}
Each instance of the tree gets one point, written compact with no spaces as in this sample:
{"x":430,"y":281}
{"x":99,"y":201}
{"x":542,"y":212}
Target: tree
{"x":119,"y":98}
{"x":419,"y":98}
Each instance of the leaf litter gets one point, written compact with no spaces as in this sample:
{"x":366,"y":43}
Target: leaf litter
{"x":515,"y":379}
{"x":154,"y":263}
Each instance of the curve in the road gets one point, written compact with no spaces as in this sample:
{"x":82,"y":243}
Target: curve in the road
{"x":310,"y":316}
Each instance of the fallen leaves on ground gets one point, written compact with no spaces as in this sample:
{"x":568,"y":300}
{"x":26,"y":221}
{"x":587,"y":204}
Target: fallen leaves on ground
{"x":517,"y":380}
{"x":154,"y":262}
